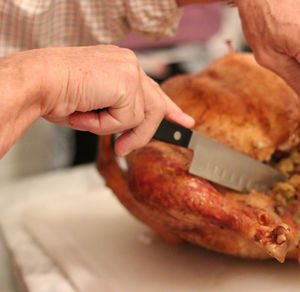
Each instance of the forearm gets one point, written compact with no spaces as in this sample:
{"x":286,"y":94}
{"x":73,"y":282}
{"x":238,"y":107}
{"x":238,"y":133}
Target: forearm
{"x":20,"y":95}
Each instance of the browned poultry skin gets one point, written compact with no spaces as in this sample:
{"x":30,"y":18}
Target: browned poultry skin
{"x":159,"y":179}
{"x":239,"y":104}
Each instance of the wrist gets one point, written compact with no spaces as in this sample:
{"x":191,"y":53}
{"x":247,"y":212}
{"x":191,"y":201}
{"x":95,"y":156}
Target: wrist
{"x":20,"y":101}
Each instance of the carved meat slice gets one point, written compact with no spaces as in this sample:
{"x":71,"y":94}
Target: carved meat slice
{"x":243,"y":106}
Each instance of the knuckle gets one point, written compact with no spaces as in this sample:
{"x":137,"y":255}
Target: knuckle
{"x":129,"y":67}
{"x":130,"y":62}
{"x":132,"y":70}
{"x":129,"y":71}
{"x":129,"y":55}
{"x":137,"y":118}
{"x":159,"y":106}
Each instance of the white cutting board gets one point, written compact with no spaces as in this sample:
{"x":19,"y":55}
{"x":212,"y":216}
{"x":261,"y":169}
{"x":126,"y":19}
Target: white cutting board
{"x":100,"y":247}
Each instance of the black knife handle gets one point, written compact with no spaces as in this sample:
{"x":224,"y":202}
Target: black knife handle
{"x":173,"y":133}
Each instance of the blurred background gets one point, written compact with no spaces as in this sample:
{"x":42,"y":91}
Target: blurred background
{"x":201,"y":38}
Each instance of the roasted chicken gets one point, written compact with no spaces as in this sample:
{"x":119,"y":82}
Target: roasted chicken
{"x":243,"y":106}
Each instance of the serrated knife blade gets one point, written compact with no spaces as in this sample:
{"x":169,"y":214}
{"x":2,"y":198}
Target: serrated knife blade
{"x":219,"y":163}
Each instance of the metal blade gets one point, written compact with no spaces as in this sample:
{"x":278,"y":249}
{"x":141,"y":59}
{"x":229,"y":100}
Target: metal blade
{"x":225,"y":166}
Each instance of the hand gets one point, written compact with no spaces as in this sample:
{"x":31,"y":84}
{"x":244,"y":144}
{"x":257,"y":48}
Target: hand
{"x":79,"y":80}
{"x":272,"y":29}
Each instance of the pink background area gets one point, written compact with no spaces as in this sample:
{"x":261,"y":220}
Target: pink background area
{"x":198,"y":24}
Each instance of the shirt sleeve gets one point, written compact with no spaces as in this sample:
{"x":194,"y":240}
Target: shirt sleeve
{"x":153,"y":18}
{"x":42,"y":23}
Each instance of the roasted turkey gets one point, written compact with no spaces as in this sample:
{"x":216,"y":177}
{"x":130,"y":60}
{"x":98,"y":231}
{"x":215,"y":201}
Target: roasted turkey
{"x":243,"y":106}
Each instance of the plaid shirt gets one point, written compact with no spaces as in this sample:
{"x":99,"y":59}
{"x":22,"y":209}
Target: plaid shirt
{"x":28,"y":24}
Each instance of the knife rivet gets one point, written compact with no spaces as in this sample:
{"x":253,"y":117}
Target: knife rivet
{"x":177,"y":135}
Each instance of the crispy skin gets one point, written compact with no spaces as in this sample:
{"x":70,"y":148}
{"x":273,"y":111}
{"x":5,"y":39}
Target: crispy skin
{"x":196,"y":211}
{"x":240,"y":104}
{"x":243,"y":106}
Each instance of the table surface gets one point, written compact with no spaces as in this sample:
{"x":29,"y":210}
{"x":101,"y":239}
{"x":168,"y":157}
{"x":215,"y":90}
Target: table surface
{"x":15,"y":195}
{"x":183,"y":268}
{"x":6,"y":280}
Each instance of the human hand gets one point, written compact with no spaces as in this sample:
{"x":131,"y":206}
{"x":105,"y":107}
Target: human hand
{"x":80,"y":80}
{"x":272,"y":29}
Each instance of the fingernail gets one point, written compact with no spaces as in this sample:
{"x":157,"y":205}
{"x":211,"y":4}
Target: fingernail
{"x":188,"y":119}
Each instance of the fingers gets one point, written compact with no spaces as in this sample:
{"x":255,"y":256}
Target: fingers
{"x":141,"y":135}
{"x":175,"y":113}
{"x":136,"y":137}
{"x":130,"y":140}
{"x":137,"y":114}
{"x":88,"y":121}
{"x":172,"y":111}
{"x":137,"y":121}
{"x":154,"y":109}
{"x":157,"y":106}
{"x":114,"y":120}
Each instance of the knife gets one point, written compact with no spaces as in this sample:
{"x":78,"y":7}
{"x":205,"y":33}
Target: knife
{"x":219,"y":163}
